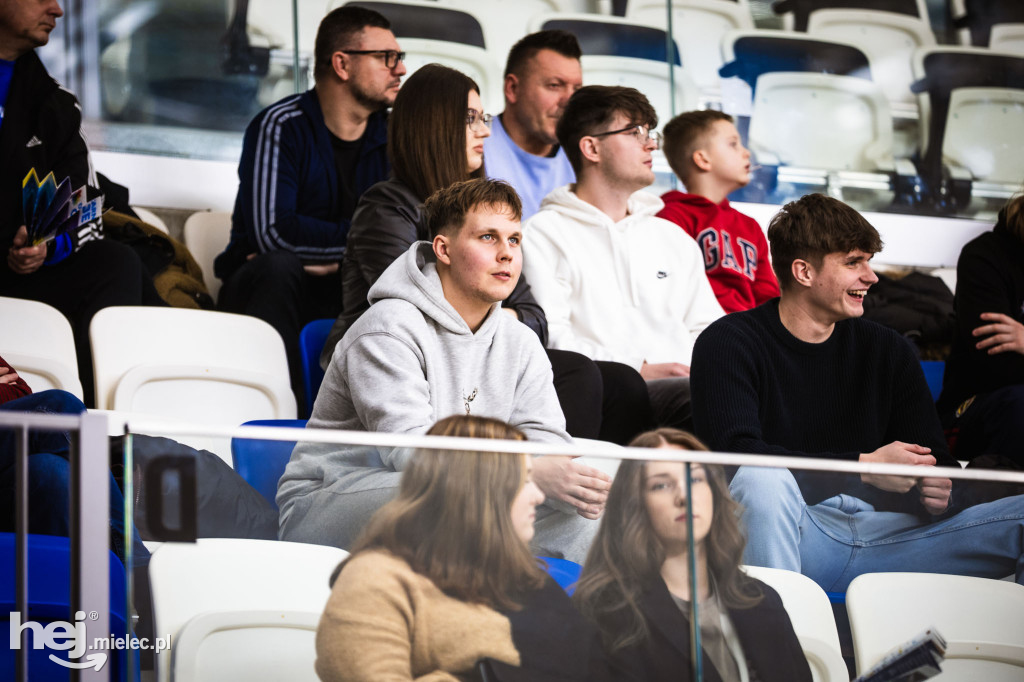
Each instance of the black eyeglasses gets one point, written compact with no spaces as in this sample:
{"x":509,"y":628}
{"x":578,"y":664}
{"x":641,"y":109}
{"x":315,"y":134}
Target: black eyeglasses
{"x":473,"y":117}
{"x":642,"y":134}
{"x":391,"y":57}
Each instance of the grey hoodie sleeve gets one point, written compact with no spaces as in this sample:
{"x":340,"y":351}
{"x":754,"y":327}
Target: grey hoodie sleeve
{"x":537,"y":412}
{"x":388,"y":389}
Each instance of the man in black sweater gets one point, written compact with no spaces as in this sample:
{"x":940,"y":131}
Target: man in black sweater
{"x":801,"y":376}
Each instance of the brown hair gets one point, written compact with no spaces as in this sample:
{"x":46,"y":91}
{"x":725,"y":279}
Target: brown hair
{"x":685,"y":134}
{"x":626,"y":555}
{"x":814,"y":226}
{"x":594,"y":106}
{"x":427,"y":130}
{"x":452,"y":518}
{"x":562,"y":42}
{"x":446,"y":209}
{"x":1013,"y":214}
{"x":336,"y":31}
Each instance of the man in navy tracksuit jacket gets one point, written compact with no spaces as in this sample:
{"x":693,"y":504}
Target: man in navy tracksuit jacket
{"x":305,"y":161}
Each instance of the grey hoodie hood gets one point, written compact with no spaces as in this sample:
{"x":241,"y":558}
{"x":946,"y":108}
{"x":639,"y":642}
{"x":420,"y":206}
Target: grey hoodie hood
{"x":413,"y":278}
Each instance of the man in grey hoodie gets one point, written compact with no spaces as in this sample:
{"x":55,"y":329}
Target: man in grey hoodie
{"x":434,"y":343}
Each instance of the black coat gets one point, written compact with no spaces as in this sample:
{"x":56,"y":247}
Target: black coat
{"x":764,"y":630}
{"x":42,"y":130}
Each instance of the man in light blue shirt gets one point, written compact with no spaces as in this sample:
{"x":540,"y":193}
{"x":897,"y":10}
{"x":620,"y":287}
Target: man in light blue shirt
{"x":542,"y":72}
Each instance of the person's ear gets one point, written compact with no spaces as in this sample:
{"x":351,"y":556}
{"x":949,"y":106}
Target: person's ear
{"x":590,"y":149}
{"x":511,"y":88}
{"x":339,"y":64}
{"x":701,"y":160}
{"x":441,"y":246}
{"x":802,"y":271}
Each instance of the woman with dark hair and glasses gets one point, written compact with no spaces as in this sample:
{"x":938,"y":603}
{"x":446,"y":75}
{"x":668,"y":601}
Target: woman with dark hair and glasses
{"x":636,"y":584}
{"x":442,"y":578}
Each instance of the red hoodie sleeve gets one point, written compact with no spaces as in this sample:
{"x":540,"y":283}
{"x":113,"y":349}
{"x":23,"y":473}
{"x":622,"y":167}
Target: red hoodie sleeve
{"x":16,"y":389}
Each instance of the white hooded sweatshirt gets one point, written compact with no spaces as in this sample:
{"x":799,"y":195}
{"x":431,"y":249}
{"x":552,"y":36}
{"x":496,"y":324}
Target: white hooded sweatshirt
{"x":628,"y":291}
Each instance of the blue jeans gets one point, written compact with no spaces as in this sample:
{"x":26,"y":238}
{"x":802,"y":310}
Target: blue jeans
{"x":842,"y":537}
{"x":50,"y":476}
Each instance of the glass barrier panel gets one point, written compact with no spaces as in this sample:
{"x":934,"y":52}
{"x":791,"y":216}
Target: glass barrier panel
{"x":777,"y":556}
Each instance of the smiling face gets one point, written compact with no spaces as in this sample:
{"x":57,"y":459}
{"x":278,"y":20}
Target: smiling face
{"x":726,"y":159}
{"x":625,"y":160}
{"x":372,"y":83}
{"x":475,"y":134}
{"x":26,"y":25}
{"x":537,"y":97}
{"x":838,"y":286}
{"x":480,"y":264}
{"x":524,"y":505}
{"x":664,"y":487}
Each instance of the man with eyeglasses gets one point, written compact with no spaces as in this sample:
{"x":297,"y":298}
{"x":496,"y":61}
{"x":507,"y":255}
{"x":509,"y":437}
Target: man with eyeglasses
{"x":541,"y":74}
{"x":615,"y":281}
{"x":305,"y":162}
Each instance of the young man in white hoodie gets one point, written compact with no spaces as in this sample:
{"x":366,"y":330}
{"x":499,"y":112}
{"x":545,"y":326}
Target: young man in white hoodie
{"x":615,"y":281}
{"x":435,"y":342}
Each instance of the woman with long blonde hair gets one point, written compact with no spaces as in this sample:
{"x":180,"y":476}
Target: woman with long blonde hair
{"x":636,"y":584}
{"x":443,"y":578}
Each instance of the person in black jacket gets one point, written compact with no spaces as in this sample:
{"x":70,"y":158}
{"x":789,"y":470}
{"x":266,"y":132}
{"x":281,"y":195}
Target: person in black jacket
{"x":306,"y":160}
{"x":636,"y":584}
{"x":79,"y":273}
{"x":983,"y":389}
{"x":433,"y":143}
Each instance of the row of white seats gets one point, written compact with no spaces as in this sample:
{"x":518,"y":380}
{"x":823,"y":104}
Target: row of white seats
{"x":248,"y":609}
{"x":845,"y":123}
{"x":163,"y":364}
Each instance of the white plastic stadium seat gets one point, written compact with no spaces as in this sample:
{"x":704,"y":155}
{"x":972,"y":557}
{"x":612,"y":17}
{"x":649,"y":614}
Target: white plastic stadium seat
{"x":230,"y":576}
{"x":475,"y":62}
{"x":810,"y":612}
{"x":814,"y":120}
{"x":698,"y":27}
{"x":206,"y":235}
{"x":1007,"y":38}
{"x":912,"y":8}
{"x":199,"y":365}
{"x":504,"y":22}
{"x":256,"y":646}
{"x":980,"y":619}
{"x":147,"y":216}
{"x":38,"y":343}
{"x":888,"y":39}
{"x":647,"y":76}
{"x":984,"y":129}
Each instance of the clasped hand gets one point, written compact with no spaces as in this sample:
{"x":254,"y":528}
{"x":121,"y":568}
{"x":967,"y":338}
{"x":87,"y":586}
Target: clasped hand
{"x":934,"y":492}
{"x":564,"y":478}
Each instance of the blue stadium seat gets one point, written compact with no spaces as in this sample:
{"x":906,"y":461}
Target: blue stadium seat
{"x":261,"y":462}
{"x":427,"y":22}
{"x":754,"y":53}
{"x":612,"y":36}
{"x":311,"y":343}
{"x":980,"y":16}
{"x":49,"y":561}
{"x":564,"y":572}
{"x":933,"y":372}
{"x":801,"y":9}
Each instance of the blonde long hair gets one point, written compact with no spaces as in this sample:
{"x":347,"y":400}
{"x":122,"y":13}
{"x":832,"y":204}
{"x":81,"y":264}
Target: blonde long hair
{"x":626,"y":556}
{"x":451,"y":520}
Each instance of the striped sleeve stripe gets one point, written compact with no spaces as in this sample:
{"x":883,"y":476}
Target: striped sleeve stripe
{"x":265,"y":167}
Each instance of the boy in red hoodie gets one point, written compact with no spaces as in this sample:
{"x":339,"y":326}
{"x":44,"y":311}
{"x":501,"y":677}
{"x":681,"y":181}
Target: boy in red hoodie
{"x":704,"y":150}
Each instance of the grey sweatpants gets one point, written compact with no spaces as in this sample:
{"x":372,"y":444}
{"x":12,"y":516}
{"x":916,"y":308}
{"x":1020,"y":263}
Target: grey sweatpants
{"x":328,"y":517}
